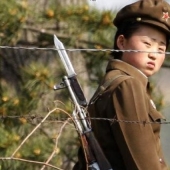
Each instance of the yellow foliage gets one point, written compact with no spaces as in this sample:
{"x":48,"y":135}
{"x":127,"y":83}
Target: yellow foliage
{"x":37,"y":151}
{"x":106,"y":20}
{"x":24,"y":4}
{"x":16,"y":101}
{"x":86,"y":7}
{"x":69,"y":12}
{"x":16,"y":137}
{"x":18,"y":155}
{"x":50,"y":13}
{"x":57,"y":150}
{"x":3,"y":110}
{"x":5,"y":99}
{"x":22,"y":19}
{"x":13,"y":11}
{"x":23,"y":120}
{"x":85,"y":18}
{"x":98,"y":46}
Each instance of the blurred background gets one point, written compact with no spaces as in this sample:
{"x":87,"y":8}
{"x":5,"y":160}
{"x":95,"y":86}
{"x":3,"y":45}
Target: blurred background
{"x":30,"y":67}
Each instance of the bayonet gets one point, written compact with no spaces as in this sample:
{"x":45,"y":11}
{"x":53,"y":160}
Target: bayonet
{"x":70,"y":71}
{"x":64,"y":57}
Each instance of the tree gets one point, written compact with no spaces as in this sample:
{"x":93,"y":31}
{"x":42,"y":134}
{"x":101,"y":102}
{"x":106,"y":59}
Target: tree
{"x":23,"y":105}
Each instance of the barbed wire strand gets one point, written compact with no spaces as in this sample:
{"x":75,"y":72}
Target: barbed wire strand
{"x":56,"y":119}
{"x":80,"y":49}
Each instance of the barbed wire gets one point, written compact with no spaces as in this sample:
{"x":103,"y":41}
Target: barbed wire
{"x":34,"y":118}
{"x":39,"y":119}
{"x":80,"y":49}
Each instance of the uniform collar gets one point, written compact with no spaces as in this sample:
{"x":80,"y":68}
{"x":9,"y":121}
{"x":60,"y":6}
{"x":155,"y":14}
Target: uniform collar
{"x":127,"y":69}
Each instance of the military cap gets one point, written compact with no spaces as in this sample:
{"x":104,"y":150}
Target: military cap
{"x":152,"y":12}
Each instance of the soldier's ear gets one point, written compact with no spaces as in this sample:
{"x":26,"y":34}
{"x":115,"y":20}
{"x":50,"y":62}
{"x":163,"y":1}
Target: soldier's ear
{"x":120,"y":42}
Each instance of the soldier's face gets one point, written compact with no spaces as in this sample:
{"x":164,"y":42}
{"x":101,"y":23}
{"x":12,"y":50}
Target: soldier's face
{"x":145,"y":39}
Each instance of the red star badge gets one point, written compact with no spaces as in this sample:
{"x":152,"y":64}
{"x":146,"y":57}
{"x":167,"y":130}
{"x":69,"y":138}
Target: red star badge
{"x":165,"y":16}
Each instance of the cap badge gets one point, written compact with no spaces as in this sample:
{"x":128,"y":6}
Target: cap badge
{"x":165,"y":16}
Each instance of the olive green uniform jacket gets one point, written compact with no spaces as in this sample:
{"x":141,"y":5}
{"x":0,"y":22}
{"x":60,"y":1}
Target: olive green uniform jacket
{"x":129,"y":143}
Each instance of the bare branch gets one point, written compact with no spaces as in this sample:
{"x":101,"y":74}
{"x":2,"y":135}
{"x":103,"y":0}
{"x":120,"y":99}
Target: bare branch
{"x":29,"y":161}
{"x":32,"y":132}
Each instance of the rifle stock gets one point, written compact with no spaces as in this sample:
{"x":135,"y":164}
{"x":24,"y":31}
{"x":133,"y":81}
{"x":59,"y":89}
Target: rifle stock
{"x":96,"y":149}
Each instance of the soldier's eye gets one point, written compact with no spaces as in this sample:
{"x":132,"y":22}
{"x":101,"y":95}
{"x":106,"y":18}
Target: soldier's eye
{"x":162,"y":49}
{"x":147,"y":43}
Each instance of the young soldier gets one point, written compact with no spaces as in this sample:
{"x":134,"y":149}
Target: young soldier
{"x":124,"y":92}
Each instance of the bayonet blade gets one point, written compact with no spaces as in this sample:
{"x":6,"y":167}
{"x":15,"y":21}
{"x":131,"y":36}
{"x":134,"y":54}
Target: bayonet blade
{"x":64,"y":57}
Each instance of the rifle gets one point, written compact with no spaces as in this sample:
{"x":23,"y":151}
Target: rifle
{"x":95,"y":157}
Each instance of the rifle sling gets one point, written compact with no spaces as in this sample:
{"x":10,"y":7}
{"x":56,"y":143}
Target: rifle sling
{"x":114,"y":81}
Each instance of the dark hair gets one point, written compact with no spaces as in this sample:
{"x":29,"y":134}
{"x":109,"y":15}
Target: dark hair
{"x":127,"y":29}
